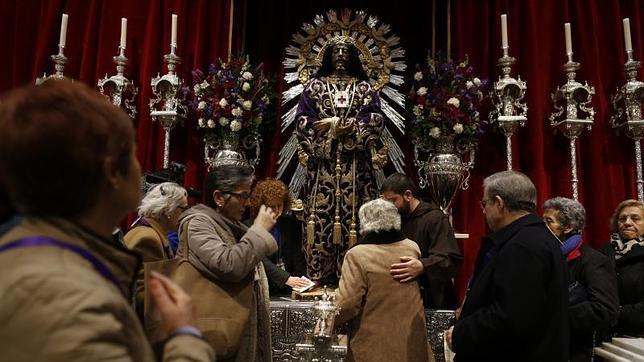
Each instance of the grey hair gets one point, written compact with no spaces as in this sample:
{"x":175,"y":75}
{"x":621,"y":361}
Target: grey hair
{"x":162,"y":199}
{"x":516,"y":190}
{"x":378,"y":215}
{"x":571,"y":213}
{"x":226,"y":178}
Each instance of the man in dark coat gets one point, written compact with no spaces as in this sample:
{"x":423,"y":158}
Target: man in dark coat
{"x":429,"y":227}
{"x":516,"y":305}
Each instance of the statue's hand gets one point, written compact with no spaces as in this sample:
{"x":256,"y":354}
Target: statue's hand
{"x":325,"y":124}
{"x":341,"y":130}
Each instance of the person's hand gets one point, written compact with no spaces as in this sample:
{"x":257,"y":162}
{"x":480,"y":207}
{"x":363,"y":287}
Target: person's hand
{"x":296,"y":282}
{"x":325,"y":124}
{"x":408,"y":269}
{"x":174,"y":304}
{"x":265,"y":218}
{"x":448,"y":337}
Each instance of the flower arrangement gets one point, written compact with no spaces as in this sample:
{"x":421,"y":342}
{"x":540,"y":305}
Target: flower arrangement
{"x":443,"y":103}
{"x":232,"y":98}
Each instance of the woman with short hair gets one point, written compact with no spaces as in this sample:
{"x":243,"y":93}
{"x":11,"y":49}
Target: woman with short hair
{"x":387,"y":318}
{"x":593,"y":301}
{"x":158,"y":215}
{"x":626,"y":250}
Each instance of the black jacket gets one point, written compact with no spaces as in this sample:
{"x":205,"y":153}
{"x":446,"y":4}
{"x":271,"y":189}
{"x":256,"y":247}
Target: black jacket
{"x":516,"y":306}
{"x":630,"y":282}
{"x":595,"y":274}
{"x":290,"y":251}
{"x":429,"y":227}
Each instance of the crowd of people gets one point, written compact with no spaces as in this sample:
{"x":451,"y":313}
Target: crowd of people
{"x":70,"y":292}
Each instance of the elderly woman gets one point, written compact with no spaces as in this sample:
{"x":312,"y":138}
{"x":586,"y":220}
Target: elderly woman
{"x":387,"y":317}
{"x":158,"y":215}
{"x":284,"y":267}
{"x":593,"y":300}
{"x":626,"y":250}
{"x":65,"y":285}
{"x":229,"y":253}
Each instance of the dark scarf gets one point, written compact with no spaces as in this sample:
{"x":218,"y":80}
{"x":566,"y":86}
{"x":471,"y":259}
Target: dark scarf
{"x":382,"y":237}
{"x":622,"y":247}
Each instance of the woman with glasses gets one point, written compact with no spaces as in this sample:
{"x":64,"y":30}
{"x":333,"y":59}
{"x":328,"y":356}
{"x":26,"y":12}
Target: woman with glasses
{"x":626,"y":250}
{"x":227,"y":252}
{"x":158,"y":216}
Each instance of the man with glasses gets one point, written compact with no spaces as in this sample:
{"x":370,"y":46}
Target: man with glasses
{"x":516,"y":303}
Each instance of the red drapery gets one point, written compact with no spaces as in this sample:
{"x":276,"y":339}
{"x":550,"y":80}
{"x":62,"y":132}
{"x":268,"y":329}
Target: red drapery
{"x":29,"y":35}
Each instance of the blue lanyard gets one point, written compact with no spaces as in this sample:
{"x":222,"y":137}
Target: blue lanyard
{"x":47,"y":241}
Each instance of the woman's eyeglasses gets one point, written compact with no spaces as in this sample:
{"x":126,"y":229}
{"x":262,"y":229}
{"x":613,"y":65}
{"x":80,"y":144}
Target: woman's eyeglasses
{"x":240,"y":195}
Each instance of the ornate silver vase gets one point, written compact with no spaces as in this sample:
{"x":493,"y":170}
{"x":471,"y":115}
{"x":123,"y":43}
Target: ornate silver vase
{"x":444,"y":171}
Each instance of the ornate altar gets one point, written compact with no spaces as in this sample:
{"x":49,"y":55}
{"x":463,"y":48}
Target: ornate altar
{"x":293,"y":321}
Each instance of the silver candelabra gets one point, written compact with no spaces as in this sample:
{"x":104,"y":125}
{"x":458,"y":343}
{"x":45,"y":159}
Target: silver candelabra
{"x":627,"y":104}
{"x":573,"y":113}
{"x":510,"y":108}
{"x":120,"y":90}
{"x":59,"y":64}
{"x":168,"y":104}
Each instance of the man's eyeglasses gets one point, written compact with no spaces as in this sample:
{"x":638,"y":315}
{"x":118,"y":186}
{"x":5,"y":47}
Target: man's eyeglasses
{"x":240,"y":195}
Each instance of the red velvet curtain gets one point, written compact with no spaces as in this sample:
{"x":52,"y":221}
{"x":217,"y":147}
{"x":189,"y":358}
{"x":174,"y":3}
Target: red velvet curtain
{"x":606,"y":161}
{"x":29,"y":31}
{"x":29,"y":34}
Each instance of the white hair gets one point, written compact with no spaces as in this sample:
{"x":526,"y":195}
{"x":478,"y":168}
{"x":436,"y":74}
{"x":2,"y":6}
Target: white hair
{"x":162,"y":199}
{"x":378,"y":215}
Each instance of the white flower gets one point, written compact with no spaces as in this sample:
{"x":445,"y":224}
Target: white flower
{"x":418,"y":76}
{"x":247,"y":75}
{"x":211,"y":123}
{"x":223,"y":103}
{"x":418,"y":111}
{"x":223,"y":121}
{"x":245,"y":86}
{"x":201,"y":105}
{"x":458,"y":128}
{"x":469,"y":84}
{"x":435,"y":132}
{"x":247,"y":105}
{"x":454,"y":101}
{"x":204,"y":84}
{"x":200,"y":122}
{"x":476,"y":81}
{"x":236,"y":112}
{"x":197,"y":88}
{"x":266,"y":100}
{"x":235,"y":126}
{"x":421,"y":91}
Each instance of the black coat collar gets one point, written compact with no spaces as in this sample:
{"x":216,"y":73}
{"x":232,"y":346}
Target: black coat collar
{"x":506,"y":233}
{"x":382,"y":237}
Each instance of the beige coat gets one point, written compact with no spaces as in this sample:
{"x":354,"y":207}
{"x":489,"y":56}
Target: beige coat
{"x":230,"y":251}
{"x":386,"y":317}
{"x":54,"y":306}
{"x":151,"y":243}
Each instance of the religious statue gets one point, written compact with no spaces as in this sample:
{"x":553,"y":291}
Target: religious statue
{"x":339,"y":122}
{"x":343,"y":74}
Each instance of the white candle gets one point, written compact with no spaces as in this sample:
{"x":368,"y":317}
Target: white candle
{"x":123,"y":32}
{"x":63,"y":31}
{"x":568,"y":38}
{"x":173,"y":39}
{"x":504,"y":31}
{"x":627,"y":35}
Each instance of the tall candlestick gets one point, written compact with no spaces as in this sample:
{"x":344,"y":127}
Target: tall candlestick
{"x":627,"y":34}
{"x":123,"y":32}
{"x":568,"y":39}
{"x":173,"y":39}
{"x":504,"y":31}
{"x":63,"y":31}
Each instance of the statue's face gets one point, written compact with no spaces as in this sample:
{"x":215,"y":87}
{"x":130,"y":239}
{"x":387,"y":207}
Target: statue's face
{"x":340,"y":56}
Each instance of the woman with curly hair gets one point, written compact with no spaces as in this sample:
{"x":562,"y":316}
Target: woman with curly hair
{"x":284,"y":267}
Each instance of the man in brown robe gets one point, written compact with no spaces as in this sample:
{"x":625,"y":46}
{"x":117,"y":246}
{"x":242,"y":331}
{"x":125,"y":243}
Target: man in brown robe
{"x":424,"y":223}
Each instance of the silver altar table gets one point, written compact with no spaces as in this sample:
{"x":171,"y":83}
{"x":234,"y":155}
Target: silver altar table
{"x":291,"y":321}
{"x":622,"y":349}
